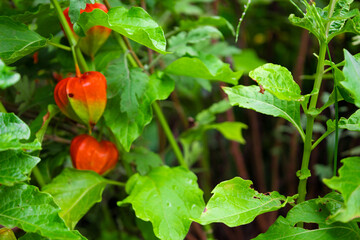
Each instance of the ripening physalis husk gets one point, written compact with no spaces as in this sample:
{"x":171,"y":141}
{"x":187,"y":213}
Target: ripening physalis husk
{"x":89,"y":154}
{"x":95,"y":36}
{"x":83,"y":98}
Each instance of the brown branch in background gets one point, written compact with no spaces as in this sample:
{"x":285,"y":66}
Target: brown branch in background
{"x":291,"y":178}
{"x":235,"y":146}
{"x":179,"y":109}
{"x":198,"y":230}
{"x":57,"y":139}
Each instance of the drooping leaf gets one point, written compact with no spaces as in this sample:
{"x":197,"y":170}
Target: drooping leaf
{"x":249,"y":97}
{"x":75,"y":192}
{"x":352,"y":77}
{"x":24,"y":206}
{"x":144,"y":159}
{"x":17,"y":41}
{"x":348,"y":184}
{"x":206,"y":66}
{"x":278,"y":81}
{"x":126,"y":129}
{"x":313,"y":211}
{"x":16,"y":166}
{"x":13,"y":131}
{"x":168,"y":198}
{"x":134,"y":23}
{"x":7,"y":76}
{"x":235,"y":203}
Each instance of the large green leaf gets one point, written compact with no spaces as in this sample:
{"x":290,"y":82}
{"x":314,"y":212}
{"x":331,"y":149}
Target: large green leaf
{"x":17,"y":41}
{"x":313,"y":211}
{"x":278,"y":81}
{"x":352,"y":77}
{"x":250,"y":97}
{"x":130,"y":83}
{"x":134,"y":23}
{"x":126,"y":129}
{"x":16,"y":166}
{"x":32,"y":236}
{"x":13,"y":131}
{"x":24,"y":206}
{"x":7,"y":76}
{"x":75,"y":192}
{"x":235,"y":203}
{"x":206,"y":66}
{"x":168,"y":198}
{"x":348,"y":184}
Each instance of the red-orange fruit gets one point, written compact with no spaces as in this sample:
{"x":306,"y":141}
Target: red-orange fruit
{"x":89,"y":154}
{"x":95,"y":36}
{"x":83,"y":98}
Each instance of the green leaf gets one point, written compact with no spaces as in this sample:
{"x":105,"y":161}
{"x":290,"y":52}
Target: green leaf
{"x":7,"y":76}
{"x":12,"y":131}
{"x":16,"y":166}
{"x":206,"y":66}
{"x":235,"y":203}
{"x":352,"y":77}
{"x":17,"y":41}
{"x":247,"y":60}
{"x":168,"y":198}
{"x":249,"y":97}
{"x":278,"y":81}
{"x":24,"y":206}
{"x":215,"y":21}
{"x":75,"y":192}
{"x":313,"y":211}
{"x":144,"y":159}
{"x":352,"y":123}
{"x":52,"y":111}
{"x":209,"y":115}
{"x":7,"y":234}
{"x":126,"y":129}
{"x":348,"y":184}
{"x":129,"y":83}
{"x":74,"y":9}
{"x":134,"y":23}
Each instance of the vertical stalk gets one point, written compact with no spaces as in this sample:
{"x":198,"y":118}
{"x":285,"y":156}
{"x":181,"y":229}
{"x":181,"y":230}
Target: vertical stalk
{"x":312,"y":106}
{"x":310,"y":125}
{"x":169,"y":134}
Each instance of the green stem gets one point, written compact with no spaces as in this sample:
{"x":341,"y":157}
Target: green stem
{"x":169,"y":134}
{"x":81,"y":60}
{"x":112,"y":182}
{"x":310,"y":125}
{"x":2,"y":108}
{"x":38,"y":176}
{"x":66,"y":27}
{"x":311,"y":119}
{"x":59,"y":45}
{"x":320,"y":140}
{"x":122,"y":44}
